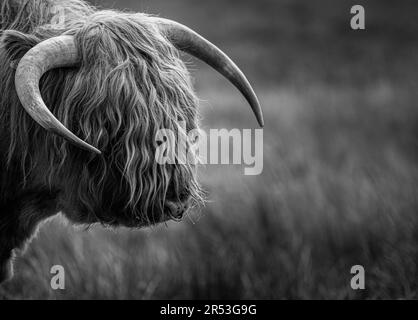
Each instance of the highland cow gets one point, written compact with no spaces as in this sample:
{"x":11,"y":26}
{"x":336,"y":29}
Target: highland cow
{"x":83,"y":94}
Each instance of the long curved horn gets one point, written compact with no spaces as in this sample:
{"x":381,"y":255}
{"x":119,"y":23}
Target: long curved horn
{"x":50,"y":54}
{"x":191,"y":42}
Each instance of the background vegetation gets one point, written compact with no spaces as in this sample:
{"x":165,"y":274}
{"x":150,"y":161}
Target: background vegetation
{"x":340,"y":177}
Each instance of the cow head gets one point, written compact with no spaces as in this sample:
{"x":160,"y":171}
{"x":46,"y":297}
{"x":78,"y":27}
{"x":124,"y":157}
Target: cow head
{"x":114,"y":79}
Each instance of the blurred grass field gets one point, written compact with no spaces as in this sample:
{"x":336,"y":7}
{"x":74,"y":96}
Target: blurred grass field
{"x":340,"y":179}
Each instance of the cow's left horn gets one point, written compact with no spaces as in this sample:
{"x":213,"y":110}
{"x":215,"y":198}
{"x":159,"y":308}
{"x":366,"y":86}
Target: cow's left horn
{"x":53,"y":53}
{"x":191,"y":42}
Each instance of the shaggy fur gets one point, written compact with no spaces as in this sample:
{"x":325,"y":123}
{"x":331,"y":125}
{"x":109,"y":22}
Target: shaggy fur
{"x":131,"y":83}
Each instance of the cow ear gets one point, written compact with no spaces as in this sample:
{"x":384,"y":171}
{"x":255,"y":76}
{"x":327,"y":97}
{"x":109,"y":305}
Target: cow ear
{"x":16,"y":44}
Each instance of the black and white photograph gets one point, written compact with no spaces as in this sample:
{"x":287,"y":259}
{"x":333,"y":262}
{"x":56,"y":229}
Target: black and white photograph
{"x":180,"y":150}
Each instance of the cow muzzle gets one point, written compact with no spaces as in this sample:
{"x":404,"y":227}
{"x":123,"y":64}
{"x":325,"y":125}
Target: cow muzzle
{"x":177,"y":210}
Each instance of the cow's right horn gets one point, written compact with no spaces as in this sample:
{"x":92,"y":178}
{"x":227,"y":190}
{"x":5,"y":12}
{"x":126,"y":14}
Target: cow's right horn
{"x":192,"y":43}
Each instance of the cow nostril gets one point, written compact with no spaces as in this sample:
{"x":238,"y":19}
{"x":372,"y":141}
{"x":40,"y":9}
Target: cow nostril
{"x":175,"y":210}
